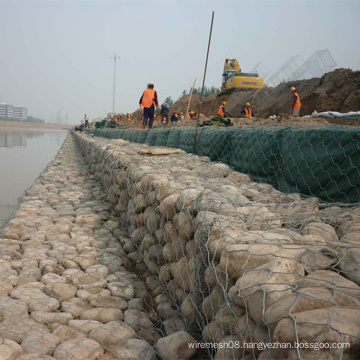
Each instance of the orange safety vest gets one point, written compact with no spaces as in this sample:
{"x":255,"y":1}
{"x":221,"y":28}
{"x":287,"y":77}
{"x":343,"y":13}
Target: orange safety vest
{"x":128,"y":117}
{"x":297,"y":102}
{"x":182,"y":117}
{"x":248,"y":113}
{"x":148,"y":98}
{"x":221,"y":111}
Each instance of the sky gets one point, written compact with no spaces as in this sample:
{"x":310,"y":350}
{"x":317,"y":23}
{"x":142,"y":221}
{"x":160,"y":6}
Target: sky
{"x":55,"y":56}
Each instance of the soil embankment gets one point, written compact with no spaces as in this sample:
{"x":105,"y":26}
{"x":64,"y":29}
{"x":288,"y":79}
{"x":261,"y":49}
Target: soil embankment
{"x":338,"y":90}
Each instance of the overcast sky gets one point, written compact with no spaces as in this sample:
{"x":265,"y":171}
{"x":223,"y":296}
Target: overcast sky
{"x":55,"y":55}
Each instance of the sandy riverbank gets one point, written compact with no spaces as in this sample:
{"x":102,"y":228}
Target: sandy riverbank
{"x":35,"y":126}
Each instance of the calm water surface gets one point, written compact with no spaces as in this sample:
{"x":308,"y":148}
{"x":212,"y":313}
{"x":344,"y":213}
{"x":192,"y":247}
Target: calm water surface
{"x":23,"y":156}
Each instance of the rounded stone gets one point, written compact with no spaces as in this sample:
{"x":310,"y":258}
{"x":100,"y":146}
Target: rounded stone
{"x":79,"y":349}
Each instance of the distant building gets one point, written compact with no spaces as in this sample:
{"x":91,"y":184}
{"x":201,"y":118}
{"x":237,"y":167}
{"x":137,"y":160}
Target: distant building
{"x":20,"y":112}
{"x":8,"y":111}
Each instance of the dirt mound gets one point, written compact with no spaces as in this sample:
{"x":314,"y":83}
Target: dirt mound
{"x":338,"y":90}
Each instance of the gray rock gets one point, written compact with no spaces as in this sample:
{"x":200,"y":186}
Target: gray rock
{"x":79,"y":349}
{"x":112,"y":332}
{"x":176,"y":346}
{"x":135,"y":349}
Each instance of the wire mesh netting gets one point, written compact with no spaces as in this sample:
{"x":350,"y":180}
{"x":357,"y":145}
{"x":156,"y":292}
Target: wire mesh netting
{"x":316,"y":65}
{"x":235,"y":262}
{"x":175,"y":256}
{"x":261,"y":69}
{"x":319,"y":63}
{"x":282,"y":74}
{"x":314,"y":161}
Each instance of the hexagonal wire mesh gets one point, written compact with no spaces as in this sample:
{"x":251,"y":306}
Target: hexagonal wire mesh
{"x":175,"y":257}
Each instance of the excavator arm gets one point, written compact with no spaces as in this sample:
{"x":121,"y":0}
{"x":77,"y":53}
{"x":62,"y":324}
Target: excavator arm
{"x":232,"y":64}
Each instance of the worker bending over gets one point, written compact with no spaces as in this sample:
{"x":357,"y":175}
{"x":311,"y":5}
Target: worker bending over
{"x":149,"y":100}
{"x":296,"y":104}
{"x":192,"y":115}
{"x":164,"y":113}
{"x":182,"y":117}
{"x":247,"y":112}
{"x":174,"y":117}
{"x":222,"y":111}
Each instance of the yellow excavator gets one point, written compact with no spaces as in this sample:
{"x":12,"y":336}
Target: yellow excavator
{"x":233,"y":78}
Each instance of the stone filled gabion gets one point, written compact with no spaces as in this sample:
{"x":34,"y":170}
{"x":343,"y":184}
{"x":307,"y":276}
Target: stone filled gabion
{"x":169,"y":251}
{"x":230,"y":259}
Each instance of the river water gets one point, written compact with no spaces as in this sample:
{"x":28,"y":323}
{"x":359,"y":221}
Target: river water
{"x":24,"y":154}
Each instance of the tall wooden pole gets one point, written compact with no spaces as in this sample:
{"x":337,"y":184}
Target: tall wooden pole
{"x":188,"y":107}
{"x":202,"y":89}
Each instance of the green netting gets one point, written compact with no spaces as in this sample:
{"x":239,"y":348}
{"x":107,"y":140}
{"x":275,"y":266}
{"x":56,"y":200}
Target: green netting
{"x":321,"y":162}
{"x":208,"y":138}
{"x":162,"y":137}
{"x":133,"y":136}
{"x":126,"y":135}
{"x":120,"y":134}
{"x":142,"y":135}
{"x":114,"y":134}
{"x":151,"y":138}
{"x":173,"y":138}
{"x":186,"y":139}
{"x":256,"y":151}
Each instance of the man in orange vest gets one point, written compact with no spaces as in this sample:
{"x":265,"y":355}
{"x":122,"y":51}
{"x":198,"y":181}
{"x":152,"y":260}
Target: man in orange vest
{"x":128,"y":116}
{"x":182,"y":117}
{"x":247,"y":112}
{"x":192,"y":115}
{"x":296,"y":104}
{"x":149,"y":100}
{"x":222,"y":111}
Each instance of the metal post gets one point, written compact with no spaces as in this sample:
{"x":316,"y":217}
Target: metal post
{"x":115,"y":57}
{"x":202,"y":89}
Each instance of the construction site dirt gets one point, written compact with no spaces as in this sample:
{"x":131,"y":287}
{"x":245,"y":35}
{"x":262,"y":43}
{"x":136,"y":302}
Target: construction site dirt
{"x":338,"y":90}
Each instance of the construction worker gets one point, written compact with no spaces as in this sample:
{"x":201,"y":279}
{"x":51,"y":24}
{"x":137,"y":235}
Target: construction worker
{"x":247,"y":112}
{"x":149,"y":100}
{"x":192,"y":115}
{"x":296,"y":104}
{"x":174,"y":117}
{"x":222,"y":111}
{"x":86,"y":118}
{"x":164,"y":113}
{"x":128,"y":116}
{"x":182,"y":117}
